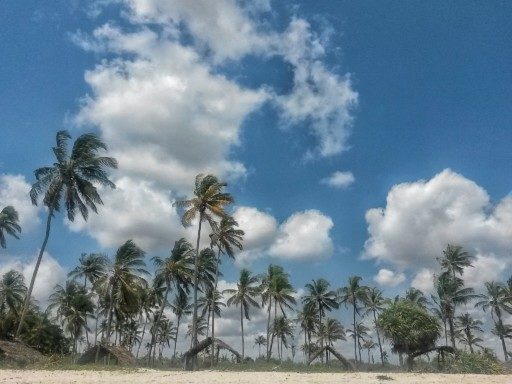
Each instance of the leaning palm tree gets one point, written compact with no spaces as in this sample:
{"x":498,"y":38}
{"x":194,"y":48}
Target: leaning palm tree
{"x":245,"y":296}
{"x":259,"y":341}
{"x":9,"y":224}
{"x":352,"y":294}
{"x":175,"y":270}
{"x":497,"y":301}
{"x":466,"y":325}
{"x":70,"y":181}
{"x":208,"y":201}
{"x":374,"y":303}
{"x":320,"y":298}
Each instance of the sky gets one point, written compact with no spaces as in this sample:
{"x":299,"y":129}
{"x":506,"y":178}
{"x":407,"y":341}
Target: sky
{"x":357,"y":138}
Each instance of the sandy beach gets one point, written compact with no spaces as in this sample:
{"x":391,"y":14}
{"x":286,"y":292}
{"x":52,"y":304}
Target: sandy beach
{"x":215,"y":377}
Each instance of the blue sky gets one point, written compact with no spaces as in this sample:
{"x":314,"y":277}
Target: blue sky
{"x":401,"y":92}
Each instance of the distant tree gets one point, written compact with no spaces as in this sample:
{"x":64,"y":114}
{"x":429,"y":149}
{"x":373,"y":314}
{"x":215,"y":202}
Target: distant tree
{"x":466,"y":326}
{"x":454,"y":260}
{"x":259,"y":341}
{"x":374,"y":303}
{"x":409,"y":328}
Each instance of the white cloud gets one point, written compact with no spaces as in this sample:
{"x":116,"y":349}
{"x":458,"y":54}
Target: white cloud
{"x":339,"y":179}
{"x":50,"y":274}
{"x":424,"y":281}
{"x":14,"y":190}
{"x":168,"y":113}
{"x":304,"y":236}
{"x":485,"y":268}
{"x":260,"y":228}
{"x":421,"y":218}
{"x":388,"y":278}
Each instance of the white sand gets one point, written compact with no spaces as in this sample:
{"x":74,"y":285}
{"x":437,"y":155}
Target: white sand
{"x":213,"y":377}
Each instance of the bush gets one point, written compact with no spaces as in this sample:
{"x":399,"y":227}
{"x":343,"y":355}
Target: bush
{"x":464,"y":362}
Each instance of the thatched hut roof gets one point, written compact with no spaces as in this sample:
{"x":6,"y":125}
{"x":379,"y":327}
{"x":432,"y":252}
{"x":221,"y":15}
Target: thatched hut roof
{"x":118,"y":355}
{"x":19,"y":352}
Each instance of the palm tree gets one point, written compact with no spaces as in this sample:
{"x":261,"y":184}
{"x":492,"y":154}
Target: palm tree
{"x":352,"y":294}
{"x":124,"y":282}
{"x":9,"y":224}
{"x":225,"y":236}
{"x":259,"y":341}
{"x":74,"y":306}
{"x":12,"y":292}
{"x":417,"y":297}
{"x":497,"y":301}
{"x":70,"y":180}
{"x":329,"y":332}
{"x":282,"y":329}
{"x":320,"y":298}
{"x":451,"y":293}
{"x":369,"y":345}
{"x":211,"y":303}
{"x":359,"y":333}
{"x":148,"y":301}
{"x":466,"y":326}
{"x":90,"y":267}
{"x":308,"y":320}
{"x":244,"y":296}
{"x":374,"y":303}
{"x":180,"y":308}
{"x":209,"y":201}
{"x":455,"y":259}
{"x":175,"y":270}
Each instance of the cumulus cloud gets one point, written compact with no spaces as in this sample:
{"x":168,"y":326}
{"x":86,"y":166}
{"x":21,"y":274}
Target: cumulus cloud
{"x":388,"y":278}
{"x":424,"y":281}
{"x":304,"y":236}
{"x":485,"y":268}
{"x":14,"y":190}
{"x":50,"y":274}
{"x":339,"y":179}
{"x":260,"y":228}
{"x":420,"y":218}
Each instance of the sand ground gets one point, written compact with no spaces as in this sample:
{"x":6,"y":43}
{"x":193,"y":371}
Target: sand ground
{"x":144,"y":376}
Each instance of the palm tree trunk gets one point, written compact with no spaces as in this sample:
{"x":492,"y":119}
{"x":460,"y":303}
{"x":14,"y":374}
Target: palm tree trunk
{"x":213,"y":312}
{"x":452,"y":330}
{"x":142,"y":336}
{"x":193,"y":342}
{"x":321,"y":339}
{"x":242,"y":326}
{"x":468,"y":336}
{"x":96,"y":333}
{"x":268,"y":329}
{"x":378,"y":337}
{"x":503,"y":345}
{"x":34,"y":274}
{"x":213,"y":339}
{"x":355,"y":330}
{"x":177,"y":333}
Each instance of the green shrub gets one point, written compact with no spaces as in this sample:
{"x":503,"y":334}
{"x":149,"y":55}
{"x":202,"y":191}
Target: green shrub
{"x":464,"y":362}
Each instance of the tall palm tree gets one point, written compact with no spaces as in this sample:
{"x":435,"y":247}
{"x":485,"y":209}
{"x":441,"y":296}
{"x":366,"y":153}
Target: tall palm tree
{"x":12,"y":292}
{"x":70,"y":181}
{"x":259,"y":341}
{"x":497,"y":301}
{"x":180,"y":307}
{"x":9,"y":224}
{"x":320,"y":298}
{"x":245,"y":296}
{"x":175,"y":270}
{"x":209,"y":200}
{"x":374,"y":303}
{"x":225,"y":237}
{"x":352,"y":294}
{"x":123,"y":282}
{"x":147,"y":297}
{"x":455,"y":259}
{"x":74,"y":306}
{"x":360,"y":334}
{"x":466,"y":325}
{"x":211,"y":303}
